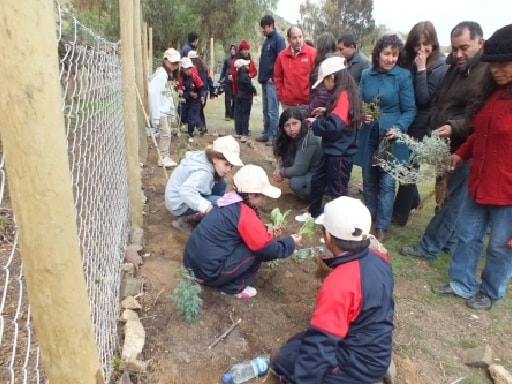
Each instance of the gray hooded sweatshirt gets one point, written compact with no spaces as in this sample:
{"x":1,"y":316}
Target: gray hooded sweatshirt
{"x":192,"y":179}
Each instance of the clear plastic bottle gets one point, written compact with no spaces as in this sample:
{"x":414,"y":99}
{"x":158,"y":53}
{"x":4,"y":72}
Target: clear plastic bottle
{"x":247,"y":370}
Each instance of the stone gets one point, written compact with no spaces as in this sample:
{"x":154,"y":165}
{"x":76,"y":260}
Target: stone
{"x":130,"y":303}
{"x":479,"y":357}
{"x":128,"y":269}
{"x":136,"y":236}
{"x":134,"y":338}
{"x":499,"y":374}
{"x":132,"y":256}
{"x":130,"y":286}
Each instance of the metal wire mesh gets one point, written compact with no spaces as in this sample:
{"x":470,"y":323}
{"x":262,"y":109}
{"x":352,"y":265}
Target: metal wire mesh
{"x":90,"y":74}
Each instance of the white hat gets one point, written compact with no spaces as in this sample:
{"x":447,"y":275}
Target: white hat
{"x":346,"y":218}
{"x":172,"y":55}
{"x":241,"y":63}
{"x":253,"y":179}
{"x":192,"y":55}
{"x":230,"y":149}
{"x":328,"y":67}
{"x":186,"y":63}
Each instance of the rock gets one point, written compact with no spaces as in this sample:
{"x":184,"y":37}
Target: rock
{"x":134,"y":337}
{"x":130,"y":303}
{"x":479,"y":357}
{"x":499,"y":374}
{"x":128,"y":269}
{"x":132,"y":255}
{"x":136,"y":236}
{"x":130,"y":286}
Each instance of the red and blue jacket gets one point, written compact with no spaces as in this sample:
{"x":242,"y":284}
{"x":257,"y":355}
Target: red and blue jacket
{"x":349,"y":339}
{"x":226,"y":249}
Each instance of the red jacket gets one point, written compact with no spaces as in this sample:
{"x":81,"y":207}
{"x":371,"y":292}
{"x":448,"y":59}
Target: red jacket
{"x":490,"y":149}
{"x":252,"y":73}
{"x":291,"y":75}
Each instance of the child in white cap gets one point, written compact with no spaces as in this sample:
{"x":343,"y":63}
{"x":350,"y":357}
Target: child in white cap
{"x":198,"y":181}
{"x":161,"y":103}
{"x":227,"y":248}
{"x":349,"y":337}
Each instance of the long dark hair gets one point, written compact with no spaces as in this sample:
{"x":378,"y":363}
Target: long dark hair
{"x":426,"y":30}
{"x":344,"y":81}
{"x":171,"y":75}
{"x":285,"y":146}
{"x":245,"y":199}
{"x":199,"y":64}
{"x":325,"y":45}
{"x":210,"y":155}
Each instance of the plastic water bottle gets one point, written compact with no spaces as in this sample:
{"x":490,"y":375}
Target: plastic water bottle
{"x":247,"y":370}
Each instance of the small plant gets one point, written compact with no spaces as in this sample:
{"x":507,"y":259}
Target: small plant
{"x":278,"y":218}
{"x":187,"y":296}
{"x":307,"y":227}
{"x":277,"y":289}
{"x":372,"y":107}
{"x":273,"y":264}
{"x":116,"y":363}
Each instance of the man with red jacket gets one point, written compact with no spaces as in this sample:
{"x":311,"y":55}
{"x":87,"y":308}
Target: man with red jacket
{"x":292,"y":69}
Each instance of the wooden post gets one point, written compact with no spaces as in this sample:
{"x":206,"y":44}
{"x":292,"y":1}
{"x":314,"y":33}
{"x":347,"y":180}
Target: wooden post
{"x":150,"y":49}
{"x":130,"y":110}
{"x":145,"y":66}
{"x":139,"y":80}
{"x":212,"y":57}
{"x":35,"y":147}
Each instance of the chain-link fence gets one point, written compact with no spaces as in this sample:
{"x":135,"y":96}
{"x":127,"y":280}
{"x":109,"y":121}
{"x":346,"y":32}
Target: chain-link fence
{"x":90,"y":74}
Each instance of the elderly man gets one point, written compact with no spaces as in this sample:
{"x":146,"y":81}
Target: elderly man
{"x":356,"y":61}
{"x":273,"y":44}
{"x":292,"y":69}
{"x":466,"y":85}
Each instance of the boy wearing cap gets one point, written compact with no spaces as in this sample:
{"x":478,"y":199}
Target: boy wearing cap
{"x":190,"y":87}
{"x":349,"y":338}
{"x":227,"y":248}
{"x":198,"y":181}
{"x":161,"y":103}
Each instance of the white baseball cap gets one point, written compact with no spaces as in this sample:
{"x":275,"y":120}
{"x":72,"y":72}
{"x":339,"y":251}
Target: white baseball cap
{"x":241,"y":63}
{"x":186,"y":63}
{"x":230,"y":149}
{"x":172,"y":55}
{"x":192,"y":55}
{"x":346,"y":218}
{"x":253,"y":179}
{"x":328,"y":67}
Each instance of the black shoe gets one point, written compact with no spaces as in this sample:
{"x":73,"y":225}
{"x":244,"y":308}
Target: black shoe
{"x":262,"y":139}
{"x":412,"y":251}
{"x":480,"y":302}
{"x":443,"y":290}
{"x":269,"y":143}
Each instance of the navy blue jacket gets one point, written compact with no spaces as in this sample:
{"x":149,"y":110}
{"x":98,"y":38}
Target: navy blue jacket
{"x":349,"y":339}
{"x":338,"y":139}
{"x":273,"y":44}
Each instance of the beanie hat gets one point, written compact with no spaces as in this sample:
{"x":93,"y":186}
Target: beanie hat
{"x":253,"y":179}
{"x":346,"y":218}
{"x":244,"y":45}
{"x":499,"y":46}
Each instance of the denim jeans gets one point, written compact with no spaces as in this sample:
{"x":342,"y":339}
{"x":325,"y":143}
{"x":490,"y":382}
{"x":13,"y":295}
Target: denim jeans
{"x":270,"y":110}
{"x":473,"y":223}
{"x":378,"y":193}
{"x":440,"y":233}
{"x":218,"y":190}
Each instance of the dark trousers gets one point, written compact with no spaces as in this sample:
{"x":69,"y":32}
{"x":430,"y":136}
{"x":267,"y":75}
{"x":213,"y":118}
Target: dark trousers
{"x":191,"y":115}
{"x":331,"y":177}
{"x":406,"y":199}
{"x":243,"y":107}
{"x":229,"y":100}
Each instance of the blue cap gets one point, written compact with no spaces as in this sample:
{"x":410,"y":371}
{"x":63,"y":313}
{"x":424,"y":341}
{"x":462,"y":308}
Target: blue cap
{"x":227,"y":378}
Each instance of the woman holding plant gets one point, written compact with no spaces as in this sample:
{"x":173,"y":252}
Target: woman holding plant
{"x":427,"y":65}
{"x":298,"y":152}
{"x":227,"y":248}
{"x":391,"y":88}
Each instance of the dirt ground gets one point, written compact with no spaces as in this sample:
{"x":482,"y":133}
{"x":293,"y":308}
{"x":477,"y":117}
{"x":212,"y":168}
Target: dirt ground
{"x":431,"y":337}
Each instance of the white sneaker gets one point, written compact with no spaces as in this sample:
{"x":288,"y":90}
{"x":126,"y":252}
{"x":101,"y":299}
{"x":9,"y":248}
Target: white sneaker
{"x":247,"y":293}
{"x":303,"y":217}
{"x":167,"y":162}
{"x":190,"y":140}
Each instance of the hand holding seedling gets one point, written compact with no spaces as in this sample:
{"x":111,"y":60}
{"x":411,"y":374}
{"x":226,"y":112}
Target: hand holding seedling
{"x":297,"y":238}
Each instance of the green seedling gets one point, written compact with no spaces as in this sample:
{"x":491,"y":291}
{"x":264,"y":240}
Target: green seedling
{"x":307,"y":227}
{"x":278,"y":218}
{"x":187,"y":296}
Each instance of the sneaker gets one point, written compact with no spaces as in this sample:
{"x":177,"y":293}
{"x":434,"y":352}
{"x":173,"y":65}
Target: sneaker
{"x":269,"y":143}
{"x":247,"y":293}
{"x":167,"y":162}
{"x":480,"y":302}
{"x":237,"y":136}
{"x":262,"y":139}
{"x":181,"y":224}
{"x":445,"y":289}
{"x":190,"y":139}
{"x":412,"y":251}
{"x":243,"y":139}
{"x":303,"y":217}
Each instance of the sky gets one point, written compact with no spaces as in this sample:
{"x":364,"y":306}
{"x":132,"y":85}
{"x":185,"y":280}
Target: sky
{"x":401,"y":15}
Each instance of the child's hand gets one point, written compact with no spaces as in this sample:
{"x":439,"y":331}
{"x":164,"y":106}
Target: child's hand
{"x":318,"y":111}
{"x":275,"y":231}
{"x":311,"y":120}
{"x":276,"y":176}
{"x":297,"y":239}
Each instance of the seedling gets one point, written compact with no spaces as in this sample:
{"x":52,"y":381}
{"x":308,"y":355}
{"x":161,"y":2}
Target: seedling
{"x":307,"y":227}
{"x":278,"y":219}
{"x":187,"y":296}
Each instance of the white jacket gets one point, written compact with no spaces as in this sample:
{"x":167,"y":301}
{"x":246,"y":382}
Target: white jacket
{"x":161,"y":102}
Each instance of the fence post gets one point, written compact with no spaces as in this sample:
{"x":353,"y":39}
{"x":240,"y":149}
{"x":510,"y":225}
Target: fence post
{"x":212,"y":58}
{"x":35,"y":147}
{"x":150,"y":49}
{"x":145,"y":69}
{"x":130,"y":111}
{"x":139,"y":80}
